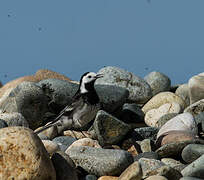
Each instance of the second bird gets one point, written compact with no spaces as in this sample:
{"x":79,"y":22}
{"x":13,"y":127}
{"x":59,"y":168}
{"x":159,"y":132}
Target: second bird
{"x":83,"y":107}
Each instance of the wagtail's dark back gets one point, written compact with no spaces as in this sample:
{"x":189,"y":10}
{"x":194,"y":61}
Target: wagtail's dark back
{"x":83,"y":107}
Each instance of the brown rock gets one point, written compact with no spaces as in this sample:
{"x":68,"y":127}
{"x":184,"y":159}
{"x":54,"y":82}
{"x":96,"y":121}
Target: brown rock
{"x":108,"y":178}
{"x":85,"y":142}
{"x":12,"y":84}
{"x":156,"y":178}
{"x":48,"y":74}
{"x":50,"y":146}
{"x":77,"y":134}
{"x":132,"y":172}
{"x":23,"y":156}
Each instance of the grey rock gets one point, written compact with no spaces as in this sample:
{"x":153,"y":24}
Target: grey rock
{"x":183,"y":92}
{"x":156,"y":167}
{"x":3,"y":124}
{"x":64,"y":142}
{"x":195,"y":169}
{"x":190,"y":178}
{"x":14,"y":119}
{"x":192,"y":152}
{"x":172,"y":149}
{"x":146,"y":145}
{"x":111,"y":97}
{"x":162,"y":120}
{"x":131,"y":113}
{"x":109,"y":130}
{"x":148,"y":155}
{"x":64,"y":169}
{"x":100,"y":161}
{"x":90,"y":177}
{"x":139,"y":90}
{"x":158,"y":82}
{"x":145,"y":133}
{"x":59,"y":91}
{"x":29,"y":100}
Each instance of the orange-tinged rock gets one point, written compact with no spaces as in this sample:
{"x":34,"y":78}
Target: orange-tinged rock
{"x":108,"y":178}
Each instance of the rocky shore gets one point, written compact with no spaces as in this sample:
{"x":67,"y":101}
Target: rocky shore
{"x":147,"y":129}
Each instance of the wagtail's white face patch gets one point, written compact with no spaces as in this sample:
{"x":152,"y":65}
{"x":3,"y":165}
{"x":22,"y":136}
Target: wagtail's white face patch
{"x":88,"y":78}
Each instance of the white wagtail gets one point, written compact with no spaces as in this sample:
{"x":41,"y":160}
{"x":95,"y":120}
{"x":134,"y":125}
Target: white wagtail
{"x":83,"y":107}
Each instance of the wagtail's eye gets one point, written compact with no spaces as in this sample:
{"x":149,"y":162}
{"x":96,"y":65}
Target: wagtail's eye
{"x":89,"y":76}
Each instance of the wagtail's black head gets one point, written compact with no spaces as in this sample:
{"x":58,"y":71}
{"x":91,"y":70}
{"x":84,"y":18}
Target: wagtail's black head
{"x":87,"y":81}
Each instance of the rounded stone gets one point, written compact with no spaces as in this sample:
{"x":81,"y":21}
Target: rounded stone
{"x":148,"y":155}
{"x":29,"y":100}
{"x":195,"y":169}
{"x":145,"y":133}
{"x":108,"y":178}
{"x":3,"y":124}
{"x":85,"y":142}
{"x":162,"y":120}
{"x":64,"y":142}
{"x":99,"y":161}
{"x":196,"y":88}
{"x":14,"y":119}
{"x":190,"y":178}
{"x":153,"y":115}
{"x":90,"y":177}
{"x":183,"y":92}
{"x":132,"y":172}
{"x":192,"y":152}
{"x":50,"y":146}
{"x":64,"y":166}
{"x":195,"y":108}
{"x":23,"y":156}
{"x":173,"y":149}
{"x":175,"y":136}
{"x":163,"y":98}
{"x":158,"y":82}
{"x":139,"y":89}
{"x":171,"y":162}
{"x":156,"y":178}
{"x":182,"y":122}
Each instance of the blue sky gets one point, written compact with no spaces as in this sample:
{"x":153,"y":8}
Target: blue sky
{"x":75,"y":36}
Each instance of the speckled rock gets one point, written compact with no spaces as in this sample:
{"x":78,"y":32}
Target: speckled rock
{"x":196,"y":88}
{"x":14,"y":119}
{"x":139,"y":90}
{"x":85,"y":142}
{"x":64,"y":166}
{"x":146,"y":145}
{"x":23,"y":155}
{"x":29,"y":100}
{"x":131,"y":113}
{"x":158,"y":82}
{"x":195,"y":169}
{"x":148,"y":155}
{"x":145,"y":133}
{"x":3,"y":124}
{"x":50,"y":146}
{"x":162,"y":120}
{"x":156,"y":178}
{"x":172,"y":149}
{"x":163,"y":98}
{"x":153,"y":115}
{"x":5,"y":95}
{"x":100,"y":161}
{"x":192,"y":152}
{"x":156,"y":167}
{"x":109,"y":130}
{"x":182,"y":122}
{"x":171,"y":162}
{"x":195,"y":108}
{"x":77,"y":134}
{"x":132,"y":172}
{"x":183,"y":92}
{"x":64,"y":142}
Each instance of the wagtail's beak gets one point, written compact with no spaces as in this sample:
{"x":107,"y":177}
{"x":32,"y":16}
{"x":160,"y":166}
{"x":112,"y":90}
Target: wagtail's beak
{"x":99,"y":76}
